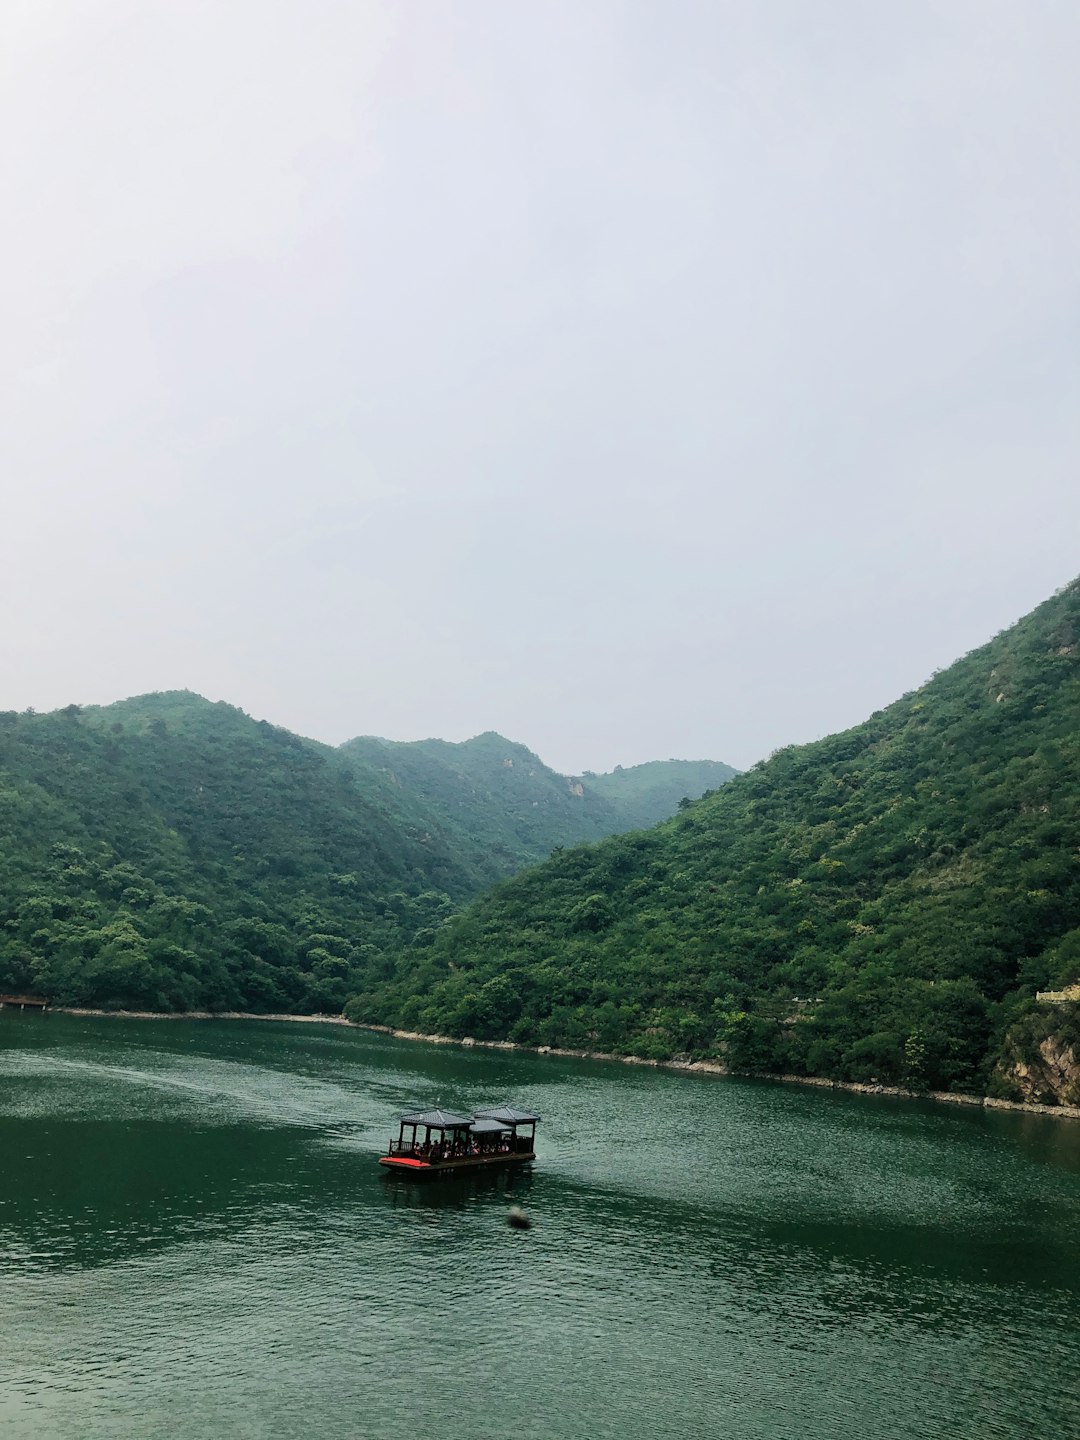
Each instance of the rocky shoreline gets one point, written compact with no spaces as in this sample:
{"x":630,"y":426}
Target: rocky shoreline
{"x":691,"y":1067}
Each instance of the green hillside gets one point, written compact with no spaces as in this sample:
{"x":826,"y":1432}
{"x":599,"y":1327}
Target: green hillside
{"x":878,"y":905}
{"x":174,"y":854}
{"x":170,"y":853}
{"x":646,"y":794}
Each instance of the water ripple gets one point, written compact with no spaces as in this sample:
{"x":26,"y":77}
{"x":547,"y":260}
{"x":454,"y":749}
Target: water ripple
{"x":194,"y":1241}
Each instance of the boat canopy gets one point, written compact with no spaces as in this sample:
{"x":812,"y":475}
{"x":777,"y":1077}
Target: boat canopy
{"x":437,"y":1120}
{"x":488,"y":1127}
{"x":507,"y":1115}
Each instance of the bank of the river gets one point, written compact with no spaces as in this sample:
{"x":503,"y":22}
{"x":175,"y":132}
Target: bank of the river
{"x":694,"y":1067}
{"x":201,"y":1015}
{"x":715,"y":1067}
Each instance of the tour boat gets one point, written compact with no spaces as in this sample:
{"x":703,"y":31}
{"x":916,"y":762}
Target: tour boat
{"x":455,"y":1143}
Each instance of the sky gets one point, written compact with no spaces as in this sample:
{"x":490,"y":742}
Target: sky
{"x":638,"y":381}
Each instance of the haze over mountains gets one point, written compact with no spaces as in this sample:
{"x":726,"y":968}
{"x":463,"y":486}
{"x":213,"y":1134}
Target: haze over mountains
{"x":170,"y":853}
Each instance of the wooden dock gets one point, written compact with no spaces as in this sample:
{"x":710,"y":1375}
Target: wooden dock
{"x":24,"y":1002}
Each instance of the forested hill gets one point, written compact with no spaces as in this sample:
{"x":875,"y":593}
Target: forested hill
{"x":881,"y":904}
{"x":170,"y":853}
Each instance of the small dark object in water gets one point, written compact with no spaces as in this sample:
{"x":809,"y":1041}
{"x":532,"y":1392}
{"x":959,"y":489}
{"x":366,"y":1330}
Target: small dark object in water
{"x":517,"y":1219}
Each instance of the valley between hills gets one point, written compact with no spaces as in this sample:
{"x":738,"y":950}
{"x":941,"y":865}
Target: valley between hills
{"x":172,"y":854}
{"x":896,"y":905}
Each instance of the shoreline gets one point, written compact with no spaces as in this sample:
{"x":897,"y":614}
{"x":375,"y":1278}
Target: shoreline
{"x":691,"y":1067}
{"x":198,"y":1015}
{"x":715,"y":1067}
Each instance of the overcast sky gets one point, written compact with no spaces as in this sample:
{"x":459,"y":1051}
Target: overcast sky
{"x":637,"y":380}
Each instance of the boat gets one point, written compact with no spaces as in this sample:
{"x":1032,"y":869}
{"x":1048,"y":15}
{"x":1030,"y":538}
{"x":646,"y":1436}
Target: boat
{"x":438,"y":1142}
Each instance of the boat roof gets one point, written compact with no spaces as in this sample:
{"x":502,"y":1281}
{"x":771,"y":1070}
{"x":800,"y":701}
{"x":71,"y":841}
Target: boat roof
{"x":437,"y":1120}
{"x":507,"y":1115}
{"x":489,"y":1127}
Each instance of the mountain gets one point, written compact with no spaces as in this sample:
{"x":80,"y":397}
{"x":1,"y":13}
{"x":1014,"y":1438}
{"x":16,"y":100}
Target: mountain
{"x":646,"y":794}
{"x":170,"y":853}
{"x":882,"y":905}
{"x":495,"y":803}
{"x":502,"y":808}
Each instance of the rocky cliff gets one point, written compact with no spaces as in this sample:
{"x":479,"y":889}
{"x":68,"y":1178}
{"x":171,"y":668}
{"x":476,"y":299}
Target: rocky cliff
{"x":1041,"y":1063}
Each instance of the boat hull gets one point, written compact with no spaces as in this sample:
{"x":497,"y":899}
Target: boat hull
{"x":424,"y":1170}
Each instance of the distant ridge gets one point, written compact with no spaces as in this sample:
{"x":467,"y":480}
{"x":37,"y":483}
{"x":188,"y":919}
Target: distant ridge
{"x":651,"y":792}
{"x":505,"y":808}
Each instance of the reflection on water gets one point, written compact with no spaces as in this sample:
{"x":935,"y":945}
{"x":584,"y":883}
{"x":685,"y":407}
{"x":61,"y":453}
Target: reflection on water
{"x":195,"y":1240}
{"x":513,"y":1185}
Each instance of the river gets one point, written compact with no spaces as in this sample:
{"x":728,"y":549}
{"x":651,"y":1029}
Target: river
{"x":195,"y":1241}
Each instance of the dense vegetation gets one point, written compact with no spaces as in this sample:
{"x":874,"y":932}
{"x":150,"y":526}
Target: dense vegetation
{"x":169,"y":853}
{"x":882,"y":904}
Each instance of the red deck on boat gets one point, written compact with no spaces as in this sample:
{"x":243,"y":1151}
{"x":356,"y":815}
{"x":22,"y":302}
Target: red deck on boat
{"x":458,"y":1163}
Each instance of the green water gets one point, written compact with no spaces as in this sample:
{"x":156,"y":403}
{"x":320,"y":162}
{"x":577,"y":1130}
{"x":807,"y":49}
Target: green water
{"x":195,"y":1241}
